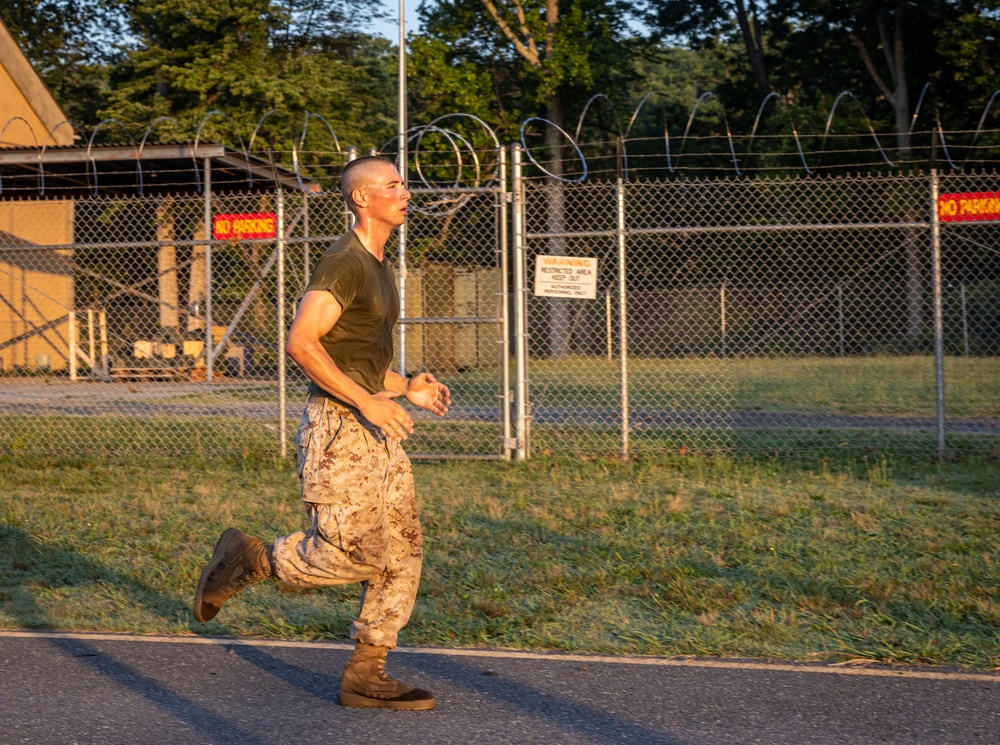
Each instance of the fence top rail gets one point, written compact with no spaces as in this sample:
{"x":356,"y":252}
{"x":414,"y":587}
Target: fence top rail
{"x":855,"y":174}
{"x":455,"y":190}
{"x":729,"y":229}
{"x":4,"y":247}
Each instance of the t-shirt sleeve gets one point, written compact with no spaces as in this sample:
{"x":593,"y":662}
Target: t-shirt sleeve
{"x":341,"y":275}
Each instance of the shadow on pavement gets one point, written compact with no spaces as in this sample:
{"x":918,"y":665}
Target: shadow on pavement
{"x":20,"y":559}
{"x":569,"y":715}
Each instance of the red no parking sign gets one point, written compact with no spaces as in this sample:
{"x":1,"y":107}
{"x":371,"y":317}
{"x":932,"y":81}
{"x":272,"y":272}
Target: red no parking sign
{"x":244,"y":226}
{"x":969,"y":207}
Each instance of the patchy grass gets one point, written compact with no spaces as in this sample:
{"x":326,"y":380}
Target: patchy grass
{"x":701,"y":393}
{"x":868,"y":386}
{"x":878,"y":558}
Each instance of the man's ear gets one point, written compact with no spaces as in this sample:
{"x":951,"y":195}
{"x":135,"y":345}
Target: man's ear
{"x":359,"y":197}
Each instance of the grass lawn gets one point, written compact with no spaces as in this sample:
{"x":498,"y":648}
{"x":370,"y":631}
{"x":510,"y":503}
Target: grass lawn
{"x":701,"y":392}
{"x":878,"y":558}
{"x":877,"y":386}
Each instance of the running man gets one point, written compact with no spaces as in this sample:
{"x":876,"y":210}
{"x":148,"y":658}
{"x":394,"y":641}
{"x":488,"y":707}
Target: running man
{"x":357,"y":483}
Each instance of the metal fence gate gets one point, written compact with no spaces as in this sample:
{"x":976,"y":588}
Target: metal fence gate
{"x":742,"y":315}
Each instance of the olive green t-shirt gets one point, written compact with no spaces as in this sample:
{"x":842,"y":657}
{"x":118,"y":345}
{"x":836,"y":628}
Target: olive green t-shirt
{"x":361,"y":341}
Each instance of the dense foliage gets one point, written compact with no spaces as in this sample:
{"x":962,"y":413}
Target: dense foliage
{"x":505,"y":60}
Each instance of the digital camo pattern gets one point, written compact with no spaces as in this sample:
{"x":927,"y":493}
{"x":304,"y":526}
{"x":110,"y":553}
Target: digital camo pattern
{"x":358,"y":489}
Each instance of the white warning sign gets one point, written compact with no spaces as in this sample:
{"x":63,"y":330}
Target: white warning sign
{"x":566,"y":276}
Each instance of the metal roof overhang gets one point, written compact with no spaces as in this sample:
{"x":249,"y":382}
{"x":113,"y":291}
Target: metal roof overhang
{"x":118,"y":170}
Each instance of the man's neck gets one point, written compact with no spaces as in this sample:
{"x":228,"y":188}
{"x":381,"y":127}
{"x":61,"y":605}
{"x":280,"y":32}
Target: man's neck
{"x":373,"y":236}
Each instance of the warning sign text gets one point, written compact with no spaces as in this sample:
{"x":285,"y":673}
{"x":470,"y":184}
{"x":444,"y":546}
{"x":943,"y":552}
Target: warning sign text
{"x":566,"y":276}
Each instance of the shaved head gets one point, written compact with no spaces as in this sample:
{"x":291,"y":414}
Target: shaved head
{"x":360,"y":173}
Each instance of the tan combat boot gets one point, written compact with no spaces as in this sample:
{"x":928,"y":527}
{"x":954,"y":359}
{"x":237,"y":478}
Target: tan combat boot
{"x":239,"y":561}
{"x":367,"y":685}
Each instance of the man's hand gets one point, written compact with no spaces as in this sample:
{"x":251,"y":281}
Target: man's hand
{"x":425,"y":391}
{"x":383,"y":412}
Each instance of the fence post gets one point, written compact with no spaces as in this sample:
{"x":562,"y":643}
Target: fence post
{"x":402,"y":300}
{"x":520,"y":307}
{"x":607,"y":314}
{"x":622,"y":316}
{"x":402,"y":162}
{"x":503,"y":197}
{"x":306,"y":261}
{"x":965,"y":323}
{"x":209,"y":342}
{"x":938,"y":318}
{"x":722,"y":310}
{"x":352,"y":154}
{"x":282,"y":386}
{"x":840,"y":316}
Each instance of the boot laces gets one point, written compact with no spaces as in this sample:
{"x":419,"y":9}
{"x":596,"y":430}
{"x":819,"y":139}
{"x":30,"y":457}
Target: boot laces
{"x":382,"y":675}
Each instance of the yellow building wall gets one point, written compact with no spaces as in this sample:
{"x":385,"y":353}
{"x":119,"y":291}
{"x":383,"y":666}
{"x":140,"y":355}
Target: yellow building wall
{"x":13,"y":104}
{"x":24,"y":94}
{"x":36,"y":287}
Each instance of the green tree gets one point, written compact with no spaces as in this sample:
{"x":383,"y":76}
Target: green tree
{"x":518,"y":58}
{"x":970,"y":44}
{"x":885,"y":52}
{"x":702,"y":22}
{"x":894,"y":43}
{"x":69,"y":43}
{"x":247,"y":57}
{"x":545,"y":58}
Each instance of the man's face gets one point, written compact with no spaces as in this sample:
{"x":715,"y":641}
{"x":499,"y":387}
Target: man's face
{"x":387,"y":198}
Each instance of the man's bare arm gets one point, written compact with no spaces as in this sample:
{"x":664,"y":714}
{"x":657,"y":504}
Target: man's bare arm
{"x":319,"y":312}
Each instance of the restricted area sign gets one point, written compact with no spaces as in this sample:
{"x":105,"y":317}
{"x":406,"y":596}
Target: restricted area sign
{"x":566,"y":276}
{"x":969,"y":207}
{"x":245,"y":226}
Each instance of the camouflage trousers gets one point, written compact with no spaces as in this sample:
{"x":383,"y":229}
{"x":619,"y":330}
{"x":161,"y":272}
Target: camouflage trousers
{"x":357,"y":485}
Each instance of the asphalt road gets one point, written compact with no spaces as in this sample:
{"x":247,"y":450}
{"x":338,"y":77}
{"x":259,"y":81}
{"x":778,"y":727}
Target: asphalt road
{"x":106,"y":689}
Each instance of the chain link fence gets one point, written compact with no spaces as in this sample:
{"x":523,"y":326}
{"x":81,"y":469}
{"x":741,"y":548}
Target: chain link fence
{"x":785,"y":314}
{"x":125,"y":331}
{"x":729,"y":315}
{"x":141,"y":336}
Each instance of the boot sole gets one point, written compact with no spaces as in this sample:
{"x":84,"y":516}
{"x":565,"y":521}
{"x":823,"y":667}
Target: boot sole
{"x":199,"y":614}
{"x":357,"y":701}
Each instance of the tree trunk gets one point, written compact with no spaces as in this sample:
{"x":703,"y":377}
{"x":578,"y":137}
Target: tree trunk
{"x":754,"y":45}
{"x":560,"y":329}
{"x":893,"y":48}
{"x":262,"y":323}
{"x":166,"y":266}
{"x":196,"y":287}
{"x":901,"y":95}
{"x":895,"y":55}
{"x":914,"y":284}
